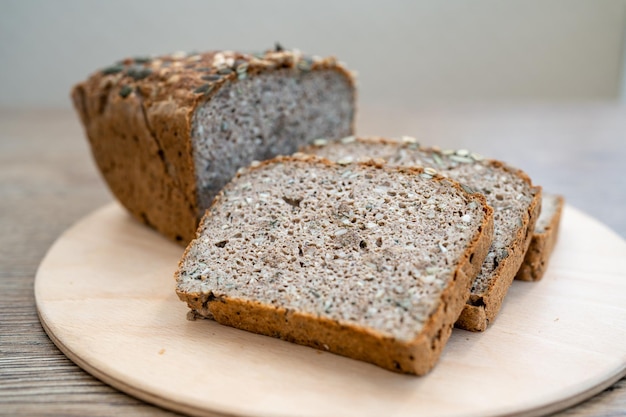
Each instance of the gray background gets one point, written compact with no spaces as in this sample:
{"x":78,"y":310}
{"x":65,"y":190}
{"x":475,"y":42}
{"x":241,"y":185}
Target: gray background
{"x":406,"y":52}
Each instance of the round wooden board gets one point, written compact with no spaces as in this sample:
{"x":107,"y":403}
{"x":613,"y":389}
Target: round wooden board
{"x":105,"y":295}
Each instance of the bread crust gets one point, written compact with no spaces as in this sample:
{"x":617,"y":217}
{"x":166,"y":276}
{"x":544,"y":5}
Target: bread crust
{"x":541,"y":248}
{"x":416,"y":356}
{"x":482,"y":309}
{"x":137,"y":116}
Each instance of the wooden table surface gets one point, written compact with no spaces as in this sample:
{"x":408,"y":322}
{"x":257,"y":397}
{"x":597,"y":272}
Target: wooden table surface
{"x":48,"y":181}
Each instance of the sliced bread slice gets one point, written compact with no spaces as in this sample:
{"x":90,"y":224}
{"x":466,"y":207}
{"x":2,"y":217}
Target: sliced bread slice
{"x":516,"y":204}
{"x":371,"y":262}
{"x":544,"y":239}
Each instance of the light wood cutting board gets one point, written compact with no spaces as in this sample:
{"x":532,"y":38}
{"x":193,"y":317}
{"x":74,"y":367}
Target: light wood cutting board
{"x":105,"y":295}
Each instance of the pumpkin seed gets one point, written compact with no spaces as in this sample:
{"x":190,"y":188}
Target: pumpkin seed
{"x":225,"y":71}
{"x":211,"y":77}
{"x":114,"y":69}
{"x":204,"y":89}
{"x":142,"y":59}
{"x":125,"y":91}
{"x":138,"y":72}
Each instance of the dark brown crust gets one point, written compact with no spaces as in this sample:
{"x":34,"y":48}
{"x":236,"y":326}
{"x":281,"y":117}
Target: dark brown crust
{"x":142,"y":142}
{"x":541,"y":247}
{"x":481,"y":309}
{"x":417,"y":356}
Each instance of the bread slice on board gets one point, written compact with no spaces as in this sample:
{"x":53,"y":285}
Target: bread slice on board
{"x":544,"y":239}
{"x":509,"y":191}
{"x":367,"y":261}
{"x":168,"y":132}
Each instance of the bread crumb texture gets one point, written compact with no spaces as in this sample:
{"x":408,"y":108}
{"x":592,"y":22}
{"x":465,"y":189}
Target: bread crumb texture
{"x":507,"y":190}
{"x":369,"y":246}
{"x":167,"y":132}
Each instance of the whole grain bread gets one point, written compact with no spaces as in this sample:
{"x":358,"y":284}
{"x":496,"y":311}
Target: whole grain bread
{"x":516,"y":204}
{"x":544,"y":239}
{"x":168,"y":132}
{"x":366,"y":261}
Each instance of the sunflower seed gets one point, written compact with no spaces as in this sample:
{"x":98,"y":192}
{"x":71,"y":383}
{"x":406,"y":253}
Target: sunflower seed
{"x":467,"y":189}
{"x":437,"y":159}
{"x":241,"y":66}
{"x":428,"y":279}
{"x":341,"y":232}
{"x":409,"y":139}
{"x":347,"y":139}
{"x":461,"y":159}
{"x":305,"y":64}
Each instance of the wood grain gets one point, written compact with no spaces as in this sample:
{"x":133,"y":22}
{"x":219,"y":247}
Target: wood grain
{"x":105,"y":296}
{"x":48,"y":181}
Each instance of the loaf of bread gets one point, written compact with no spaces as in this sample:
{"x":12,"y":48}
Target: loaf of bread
{"x":544,"y":239}
{"x":167,"y":133}
{"x":509,"y":191}
{"x":366,"y":261}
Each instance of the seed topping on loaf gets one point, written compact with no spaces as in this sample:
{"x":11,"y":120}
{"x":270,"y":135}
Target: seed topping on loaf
{"x":168,"y":132}
{"x":196,"y":75}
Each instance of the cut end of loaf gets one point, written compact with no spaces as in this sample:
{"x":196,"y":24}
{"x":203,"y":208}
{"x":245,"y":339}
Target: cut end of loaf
{"x":364,"y":258}
{"x":167,"y":132}
{"x":263,"y":116}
